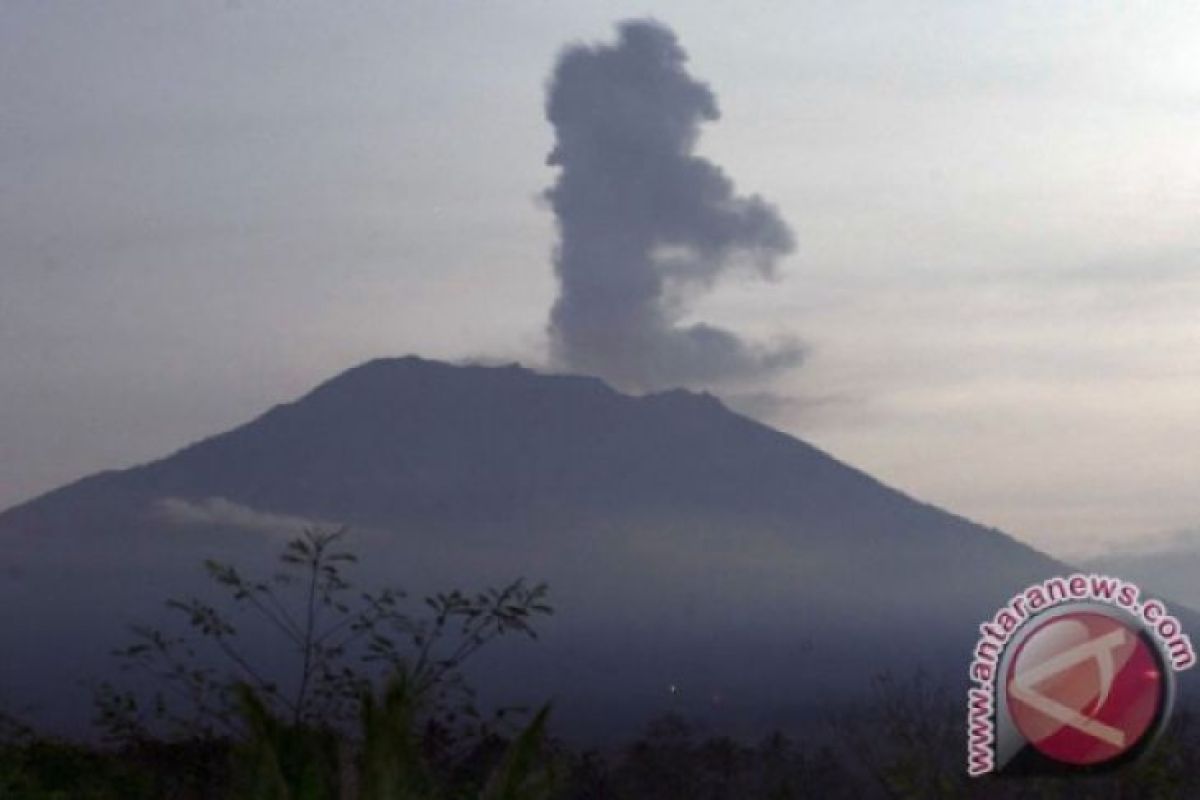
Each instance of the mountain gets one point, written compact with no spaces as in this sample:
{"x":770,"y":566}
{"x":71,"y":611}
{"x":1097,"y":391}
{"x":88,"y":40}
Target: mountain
{"x":1168,"y":562}
{"x":697,"y":559}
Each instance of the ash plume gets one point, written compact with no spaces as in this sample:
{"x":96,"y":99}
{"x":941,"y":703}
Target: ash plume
{"x":644,"y":224}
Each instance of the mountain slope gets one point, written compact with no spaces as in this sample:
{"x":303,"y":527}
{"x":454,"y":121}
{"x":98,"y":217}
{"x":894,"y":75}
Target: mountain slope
{"x":679,"y":538}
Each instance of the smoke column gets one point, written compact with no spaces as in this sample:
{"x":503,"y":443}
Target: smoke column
{"x":643,"y":223}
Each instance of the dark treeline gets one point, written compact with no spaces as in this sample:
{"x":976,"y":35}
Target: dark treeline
{"x":377,"y":708}
{"x":672,"y":760}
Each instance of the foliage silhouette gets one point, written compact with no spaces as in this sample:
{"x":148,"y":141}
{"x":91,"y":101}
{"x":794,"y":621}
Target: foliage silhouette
{"x":343,"y":646}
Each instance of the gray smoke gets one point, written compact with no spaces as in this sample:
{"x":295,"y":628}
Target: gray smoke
{"x":644,"y":223}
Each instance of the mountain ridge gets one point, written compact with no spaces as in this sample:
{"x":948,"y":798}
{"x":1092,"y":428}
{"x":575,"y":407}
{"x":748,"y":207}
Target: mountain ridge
{"x":669,"y":527}
{"x":351,"y":383}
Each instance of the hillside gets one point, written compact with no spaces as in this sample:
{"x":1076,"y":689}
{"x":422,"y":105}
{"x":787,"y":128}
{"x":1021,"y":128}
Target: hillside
{"x":685,"y":545}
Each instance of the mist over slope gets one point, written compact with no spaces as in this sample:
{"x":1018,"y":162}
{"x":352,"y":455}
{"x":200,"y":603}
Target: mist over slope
{"x":684,"y":545}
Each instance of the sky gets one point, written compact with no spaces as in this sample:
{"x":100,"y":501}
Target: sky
{"x":993,"y":268}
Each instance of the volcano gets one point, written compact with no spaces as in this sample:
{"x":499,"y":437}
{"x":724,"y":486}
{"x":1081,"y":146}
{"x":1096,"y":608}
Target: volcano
{"x":699,"y":561}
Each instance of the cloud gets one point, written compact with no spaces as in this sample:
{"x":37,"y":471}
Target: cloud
{"x":644,"y":224}
{"x":226,"y":513}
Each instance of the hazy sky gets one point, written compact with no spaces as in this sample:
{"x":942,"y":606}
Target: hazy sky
{"x":207,"y":208}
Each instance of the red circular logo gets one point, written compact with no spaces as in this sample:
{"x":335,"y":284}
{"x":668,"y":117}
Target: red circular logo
{"x":1085,"y":687}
